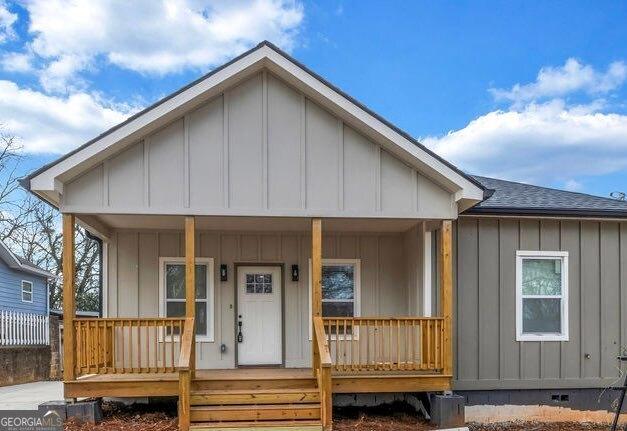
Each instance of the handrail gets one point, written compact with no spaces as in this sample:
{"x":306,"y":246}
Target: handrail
{"x":322,"y":367}
{"x":323,"y":344}
{"x":185,"y":374}
{"x":186,"y":344}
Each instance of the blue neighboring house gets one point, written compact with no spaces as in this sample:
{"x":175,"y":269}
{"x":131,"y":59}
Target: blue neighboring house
{"x":23,"y":285}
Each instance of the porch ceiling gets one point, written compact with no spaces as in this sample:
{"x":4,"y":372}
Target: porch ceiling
{"x":265,"y":224}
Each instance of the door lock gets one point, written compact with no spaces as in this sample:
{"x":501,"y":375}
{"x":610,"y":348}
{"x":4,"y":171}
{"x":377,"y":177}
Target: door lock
{"x":240,"y":336}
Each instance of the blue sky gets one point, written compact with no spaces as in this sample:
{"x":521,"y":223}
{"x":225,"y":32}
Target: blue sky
{"x":529,"y":91}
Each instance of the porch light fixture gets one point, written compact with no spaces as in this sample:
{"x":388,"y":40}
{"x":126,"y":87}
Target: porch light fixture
{"x":294,"y":272}
{"x":223,"y":273}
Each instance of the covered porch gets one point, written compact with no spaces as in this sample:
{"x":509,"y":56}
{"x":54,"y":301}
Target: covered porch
{"x":395,"y":337}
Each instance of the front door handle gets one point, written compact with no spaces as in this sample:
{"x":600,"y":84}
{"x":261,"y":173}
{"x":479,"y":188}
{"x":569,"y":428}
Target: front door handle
{"x":240,"y":336}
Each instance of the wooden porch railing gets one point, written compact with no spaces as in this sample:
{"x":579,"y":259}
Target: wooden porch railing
{"x":322,"y":370}
{"x":133,"y":345}
{"x":186,"y":373}
{"x":362,"y":344}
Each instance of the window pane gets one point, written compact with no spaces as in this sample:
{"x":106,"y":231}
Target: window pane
{"x":541,"y":276}
{"x":201,"y":281}
{"x":201,"y":318}
{"x":27,"y":287}
{"x":337,"y":309}
{"x":542,"y":315}
{"x":338,"y":282}
{"x":175,"y":281}
{"x":175,"y":309}
{"x":27,"y":296}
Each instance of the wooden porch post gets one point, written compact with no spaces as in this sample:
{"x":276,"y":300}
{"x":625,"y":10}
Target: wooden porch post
{"x":69,"y":302}
{"x":316,"y":282}
{"x":190,"y":281}
{"x":446,"y":293}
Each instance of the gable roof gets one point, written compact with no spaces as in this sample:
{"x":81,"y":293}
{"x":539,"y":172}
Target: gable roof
{"x":509,"y":197}
{"x":48,"y":180}
{"x":20,"y":264}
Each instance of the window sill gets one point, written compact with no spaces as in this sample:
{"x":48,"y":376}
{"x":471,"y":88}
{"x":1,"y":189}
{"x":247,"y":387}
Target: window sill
{"x":551,"y":337}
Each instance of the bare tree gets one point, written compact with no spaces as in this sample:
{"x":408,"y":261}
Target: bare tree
{"x":31,"y":229}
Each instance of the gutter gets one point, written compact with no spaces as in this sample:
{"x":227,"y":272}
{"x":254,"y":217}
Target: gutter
{"x":563,"y":212}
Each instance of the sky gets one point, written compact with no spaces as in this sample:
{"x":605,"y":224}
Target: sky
{"x":526,"y":91}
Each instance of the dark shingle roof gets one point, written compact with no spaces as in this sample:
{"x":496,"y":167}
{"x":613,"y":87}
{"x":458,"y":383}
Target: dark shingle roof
{"x":518,"y":198}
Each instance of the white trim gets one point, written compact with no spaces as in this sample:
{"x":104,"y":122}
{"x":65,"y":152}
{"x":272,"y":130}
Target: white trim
{"x":356,"y":293}
{"x":47,"y":183}
{"x":426,"y":273}
{"x":105,"y":279}
{"x":210,"y":337}
{"x":23,"y":291}
{"x":549,"y":255}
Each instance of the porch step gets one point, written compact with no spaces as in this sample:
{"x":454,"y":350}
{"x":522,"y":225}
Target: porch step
{"x":258,"y":426}
{"x":253,"y":384}
{"x":256,"y":396}
{"x":266,"y":412}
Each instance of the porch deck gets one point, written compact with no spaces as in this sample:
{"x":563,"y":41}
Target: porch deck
{"x":167,"y":383}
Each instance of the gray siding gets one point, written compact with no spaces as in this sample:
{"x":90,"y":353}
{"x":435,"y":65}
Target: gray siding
{"x":487,"y":353}
{"x":260,"y":148}
{"x":133,"y":271}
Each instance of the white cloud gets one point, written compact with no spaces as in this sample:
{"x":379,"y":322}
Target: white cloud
{"x":16,"y":62}
{"x":7,"y":19}
{"x":51,"y":124}
{"x":541,"y":138}
{"x":548,"y":143}
{"x":572,"y":77}
{"x":150,"y":36}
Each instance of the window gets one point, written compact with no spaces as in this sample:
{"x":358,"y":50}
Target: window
{"x":172,"y":293}
{"x":541,"y":296}
{"x":340,"y":288}
{"x":27,"y":291}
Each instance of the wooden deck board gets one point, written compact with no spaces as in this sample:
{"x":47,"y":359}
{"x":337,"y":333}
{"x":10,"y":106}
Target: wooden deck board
{"x":166,"y":384}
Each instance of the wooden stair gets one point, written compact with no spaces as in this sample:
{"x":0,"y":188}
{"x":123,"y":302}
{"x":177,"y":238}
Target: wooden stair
{"x":290,"y":404}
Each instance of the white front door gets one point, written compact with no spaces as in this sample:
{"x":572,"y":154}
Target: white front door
{"x":259,"y":325}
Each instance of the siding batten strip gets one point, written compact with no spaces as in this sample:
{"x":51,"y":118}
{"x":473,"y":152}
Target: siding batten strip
{"x":265,"y":186}
{"x":186,"y":163}
{"x":225,"y":150}
{"x":146,"y":168}
{"x":340,"y":164}
{"x":303,"y":152}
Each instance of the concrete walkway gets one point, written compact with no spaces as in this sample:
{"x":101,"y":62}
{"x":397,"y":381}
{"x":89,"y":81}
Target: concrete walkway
{"x":29,"y":395}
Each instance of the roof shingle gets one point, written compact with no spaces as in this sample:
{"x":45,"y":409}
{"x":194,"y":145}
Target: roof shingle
{"x":520,"y":198}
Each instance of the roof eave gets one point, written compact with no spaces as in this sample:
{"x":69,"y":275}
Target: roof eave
{"x":563,"y":212}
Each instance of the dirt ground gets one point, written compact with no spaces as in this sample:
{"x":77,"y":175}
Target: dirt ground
{"x":162,"y":417}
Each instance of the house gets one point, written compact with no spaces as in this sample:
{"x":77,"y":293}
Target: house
{"x":269,"y":242}
{"x":23,"y":285}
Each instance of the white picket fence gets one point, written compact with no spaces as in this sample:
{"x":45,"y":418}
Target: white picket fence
{"x":23,"y":329}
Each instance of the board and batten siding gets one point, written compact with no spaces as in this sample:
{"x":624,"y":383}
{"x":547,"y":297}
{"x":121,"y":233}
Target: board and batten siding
{"x":486,"y":351}
{"x":260,"y":148}
{"x":11,"y":291}
{"x":133,"y":279}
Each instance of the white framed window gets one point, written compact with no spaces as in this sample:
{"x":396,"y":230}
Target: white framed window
{"x":27,"y":291}
{"x":172,"y":293}
{"x":341,"y":288}
{"x":541,"y":296}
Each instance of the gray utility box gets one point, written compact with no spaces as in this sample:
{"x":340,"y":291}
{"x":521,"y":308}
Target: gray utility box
{"x":447,"y":411}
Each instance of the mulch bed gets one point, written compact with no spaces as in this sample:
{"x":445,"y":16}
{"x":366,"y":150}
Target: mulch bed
{"x":396,"y":417}
{"x":137,"y":417}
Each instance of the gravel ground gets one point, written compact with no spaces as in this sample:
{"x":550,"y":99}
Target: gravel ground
{"x":162,"y":417}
